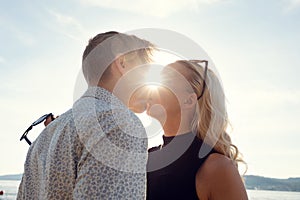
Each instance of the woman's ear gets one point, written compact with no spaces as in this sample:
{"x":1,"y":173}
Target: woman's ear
{"x":190,"y":101}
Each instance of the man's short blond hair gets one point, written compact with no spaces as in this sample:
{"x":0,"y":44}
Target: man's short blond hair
{"x":104,"y":48}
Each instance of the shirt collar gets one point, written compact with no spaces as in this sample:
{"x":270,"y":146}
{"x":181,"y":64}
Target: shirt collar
{"x":103,"y":95}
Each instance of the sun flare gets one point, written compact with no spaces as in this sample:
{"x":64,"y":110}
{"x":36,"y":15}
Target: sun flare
{"x":161,"y":59}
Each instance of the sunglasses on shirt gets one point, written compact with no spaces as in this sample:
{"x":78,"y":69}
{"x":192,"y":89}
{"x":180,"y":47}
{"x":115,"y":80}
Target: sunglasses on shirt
{"x":38,"y":121}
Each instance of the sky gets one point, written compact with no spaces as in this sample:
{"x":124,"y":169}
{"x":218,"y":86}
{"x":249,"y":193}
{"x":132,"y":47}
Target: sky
{"x":255,"y":46}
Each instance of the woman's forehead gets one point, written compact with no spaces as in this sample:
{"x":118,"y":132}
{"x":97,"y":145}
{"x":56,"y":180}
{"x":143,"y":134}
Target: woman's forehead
{"x":172,"y":76}
{"x":175,"y":71}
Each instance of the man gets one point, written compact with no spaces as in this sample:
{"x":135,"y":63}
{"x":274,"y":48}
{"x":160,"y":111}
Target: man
{"x":97,"y":149}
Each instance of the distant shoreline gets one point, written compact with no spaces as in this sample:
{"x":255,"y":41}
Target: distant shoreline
{"x":11,"y":177}
{"x":252,"y":182}
{"x":272,"y":184}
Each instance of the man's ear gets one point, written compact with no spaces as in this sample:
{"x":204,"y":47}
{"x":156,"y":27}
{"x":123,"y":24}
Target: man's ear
{"x":190,"y":101}
{"x":120,"y":66}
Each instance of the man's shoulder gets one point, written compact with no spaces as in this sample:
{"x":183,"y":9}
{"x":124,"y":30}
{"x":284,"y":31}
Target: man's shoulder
{"x":64,"y":119}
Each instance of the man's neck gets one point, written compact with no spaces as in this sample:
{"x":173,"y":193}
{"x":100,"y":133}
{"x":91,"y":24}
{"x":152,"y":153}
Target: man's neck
{"x":110,"y":85}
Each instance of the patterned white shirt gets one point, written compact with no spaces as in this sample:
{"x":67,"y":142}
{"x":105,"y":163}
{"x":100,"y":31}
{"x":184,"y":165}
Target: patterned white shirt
{"x":96,"y":150}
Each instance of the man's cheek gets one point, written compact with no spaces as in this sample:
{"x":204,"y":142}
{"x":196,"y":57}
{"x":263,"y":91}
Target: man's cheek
{"x":138,"y":102}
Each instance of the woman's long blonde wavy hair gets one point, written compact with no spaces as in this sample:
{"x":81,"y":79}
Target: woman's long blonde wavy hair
{"x":210,"y":119}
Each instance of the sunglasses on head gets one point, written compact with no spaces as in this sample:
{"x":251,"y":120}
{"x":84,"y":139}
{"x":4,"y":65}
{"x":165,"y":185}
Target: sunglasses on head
{"x":38,"y":121}
{"x":205,"y":74}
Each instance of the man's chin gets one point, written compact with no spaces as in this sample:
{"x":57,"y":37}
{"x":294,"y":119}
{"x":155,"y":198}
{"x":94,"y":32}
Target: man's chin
{"x":138,"y":107}
{"x":138,"y":111}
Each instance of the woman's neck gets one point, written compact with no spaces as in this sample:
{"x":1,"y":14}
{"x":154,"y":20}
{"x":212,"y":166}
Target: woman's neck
{"x":175,"y":127}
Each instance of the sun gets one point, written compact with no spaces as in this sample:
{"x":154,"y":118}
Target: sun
{"x":160,"y":59}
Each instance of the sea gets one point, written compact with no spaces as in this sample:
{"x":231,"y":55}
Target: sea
{"x":10,"y":189}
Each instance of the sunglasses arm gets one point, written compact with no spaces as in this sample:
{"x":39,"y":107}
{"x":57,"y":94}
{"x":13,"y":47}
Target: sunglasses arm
{"x":27,"y":140}
{"x":24,"y":136}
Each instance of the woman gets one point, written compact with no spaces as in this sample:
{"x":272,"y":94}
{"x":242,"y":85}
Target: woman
{"x":197,"y":159}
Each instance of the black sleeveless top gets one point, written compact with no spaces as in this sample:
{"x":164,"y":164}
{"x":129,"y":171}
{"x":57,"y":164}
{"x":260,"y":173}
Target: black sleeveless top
{"x":172,"y":167}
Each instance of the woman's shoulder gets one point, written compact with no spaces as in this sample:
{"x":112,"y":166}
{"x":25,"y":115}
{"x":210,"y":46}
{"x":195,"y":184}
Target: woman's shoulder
{"x":219,"y":175}
{"x":217,"y":167}
{"x":217,"y":161}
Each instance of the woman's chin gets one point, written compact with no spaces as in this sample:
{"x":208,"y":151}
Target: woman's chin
{"x":157,"y":112}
